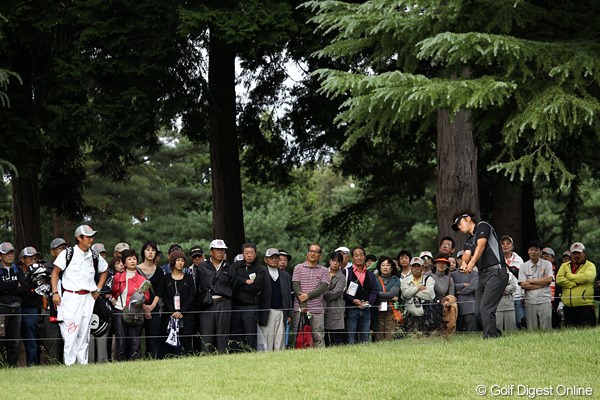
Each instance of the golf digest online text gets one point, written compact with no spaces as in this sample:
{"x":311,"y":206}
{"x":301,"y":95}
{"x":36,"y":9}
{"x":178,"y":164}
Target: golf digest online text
{"x":533,"y":392}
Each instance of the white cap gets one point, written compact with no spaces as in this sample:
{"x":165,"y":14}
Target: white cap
{"x":416,"y":260}
{"x":28,"y":252}
{"x":121,"y":247}
{"x":426,"y":254}
{"x":57,"y":242}
{"x":460,"y":253}
{"x":343,"y":249}
{"x":99,"y":247}
{"x":577,"y":247}
{"x":548,"y":250}
{"x":218,"y":244}
{"x":6,"y":247}
{"x":84,"y":230}
{"x":272,"y":252}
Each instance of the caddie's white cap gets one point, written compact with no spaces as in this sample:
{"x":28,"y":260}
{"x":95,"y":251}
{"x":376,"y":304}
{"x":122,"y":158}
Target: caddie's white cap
{"x":218,"y":244}
{"x":84,"y":230}
{"x":548,"y":250}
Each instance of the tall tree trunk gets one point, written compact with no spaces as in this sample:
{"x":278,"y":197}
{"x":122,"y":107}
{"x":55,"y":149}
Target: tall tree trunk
{"x":228,"y":219}
{"x":457,"y":187}
{"x":26,"y":211}
{"x":528,"y":219}
{"x":506,"y":210}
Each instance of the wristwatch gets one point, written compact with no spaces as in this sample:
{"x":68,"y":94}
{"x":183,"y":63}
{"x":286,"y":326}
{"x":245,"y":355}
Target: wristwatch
{"x":53,"y":293}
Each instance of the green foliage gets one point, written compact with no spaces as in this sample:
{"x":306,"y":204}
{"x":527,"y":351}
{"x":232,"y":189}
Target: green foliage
{"x":537,"y":64}
{"x":4,"y":80}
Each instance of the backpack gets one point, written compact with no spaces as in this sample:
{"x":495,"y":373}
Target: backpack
{"x":69,"y":257}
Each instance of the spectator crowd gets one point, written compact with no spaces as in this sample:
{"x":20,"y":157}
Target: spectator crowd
{"x":86,"y":305}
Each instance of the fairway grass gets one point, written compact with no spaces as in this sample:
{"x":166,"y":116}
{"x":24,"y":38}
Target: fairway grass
{"x":415,"y":368}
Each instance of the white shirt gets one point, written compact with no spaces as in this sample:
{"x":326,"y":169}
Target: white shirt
{"x":80,"y":273}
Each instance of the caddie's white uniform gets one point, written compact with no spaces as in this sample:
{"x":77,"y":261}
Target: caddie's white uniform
{"x":77,"y":303}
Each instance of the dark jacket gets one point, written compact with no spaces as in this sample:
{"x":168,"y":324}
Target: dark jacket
{"x":29,"y":297}
{"x":209,"y":282}
{"x":158,"y":284}
{"x":244,"y":294}
{"x":12,"y":286}
{"x":264,"y":305}
{"x":365,"y":292}
{"x":185,"y":288}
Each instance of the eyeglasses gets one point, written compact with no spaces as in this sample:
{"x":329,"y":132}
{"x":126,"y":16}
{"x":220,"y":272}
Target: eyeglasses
{"x":315,"y":251}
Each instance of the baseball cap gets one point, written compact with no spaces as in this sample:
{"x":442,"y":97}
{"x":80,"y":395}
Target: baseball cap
{"x":343,"y":249}
{"x":548,"y":250}
{"x":99,"y":247}
{"x":577,"y":247}
{"x":84,"y":230}
{"x":28,"y":252}
{"x":566,"y":253}
{"x":506,"y":237}
{"x":272,"y":252}
{"x":57,"y":242}
{"x":218,"y":244}
{"x":457,"y":220}
{"x":121,"y":247}
{"x":6,"y":247}
{"x":460,"y":253}
{"x":426,"y":254}
{"x":283,"y":253}
{"x":416,"y":260}
{"x":196,"y":251}
{"x":442,"y":259}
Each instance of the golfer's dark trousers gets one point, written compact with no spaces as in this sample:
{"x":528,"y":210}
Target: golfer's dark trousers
{"x":492,"y":282}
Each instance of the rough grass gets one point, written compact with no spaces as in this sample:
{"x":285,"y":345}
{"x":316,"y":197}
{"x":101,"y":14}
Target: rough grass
{"x":415,"y":368}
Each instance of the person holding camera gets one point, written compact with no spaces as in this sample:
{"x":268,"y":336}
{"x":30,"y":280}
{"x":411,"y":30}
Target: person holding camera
{"x":416,"y":291}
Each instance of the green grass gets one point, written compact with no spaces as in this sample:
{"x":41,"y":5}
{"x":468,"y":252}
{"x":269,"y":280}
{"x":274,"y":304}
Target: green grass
{"x":425,"y":368}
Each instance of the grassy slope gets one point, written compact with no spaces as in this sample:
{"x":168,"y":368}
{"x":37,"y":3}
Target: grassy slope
{"x":426,"y":368}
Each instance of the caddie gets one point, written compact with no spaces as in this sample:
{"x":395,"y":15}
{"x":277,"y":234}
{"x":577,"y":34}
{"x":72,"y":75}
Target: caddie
{"x":78,"y":266}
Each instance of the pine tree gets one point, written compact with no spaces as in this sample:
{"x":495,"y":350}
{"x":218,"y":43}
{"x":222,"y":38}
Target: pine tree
{"x":527,"y":70}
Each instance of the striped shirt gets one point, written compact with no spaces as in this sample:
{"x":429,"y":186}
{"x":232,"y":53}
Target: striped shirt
{"x":310,"y":279}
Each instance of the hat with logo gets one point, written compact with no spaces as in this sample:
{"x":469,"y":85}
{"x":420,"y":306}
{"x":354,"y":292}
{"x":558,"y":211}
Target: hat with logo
{"x":416,"y":261}
{"x":284,"y":253}
{"x":57,"y":242}
{"x":271,"y":252}
{"x":99,"y":247}
{"x":218,"y":244}
{"x":121,"y":247}
{"x":343,"y":249}
{"x":577,"y":247}
{"x":196,"y":251}
{"x":426,"y":254}
{"x":84,"y":230}
{"x":6,"y":247}
{"x":457,"y":220}
{"x":548,"y":250}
